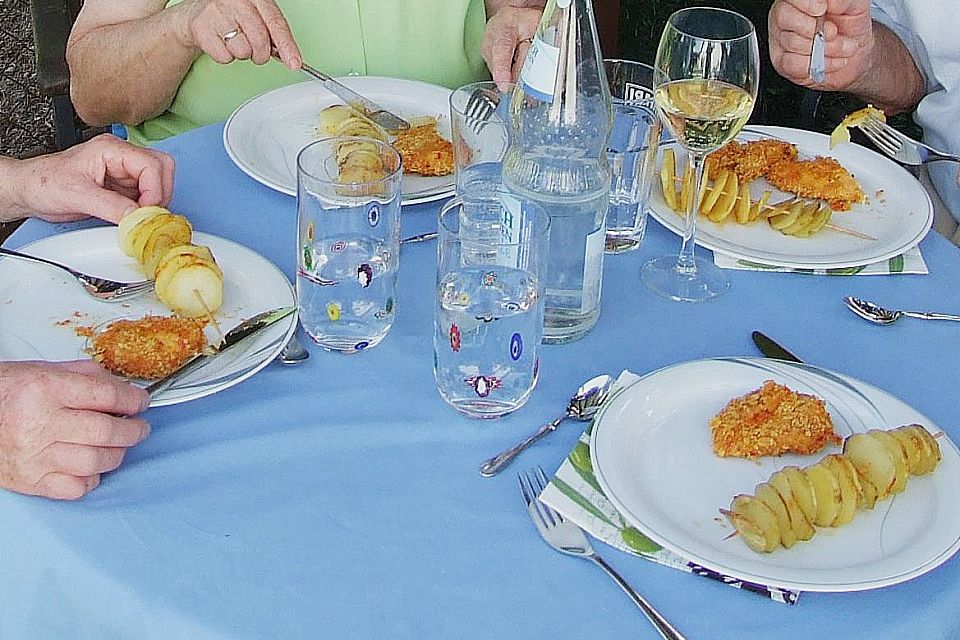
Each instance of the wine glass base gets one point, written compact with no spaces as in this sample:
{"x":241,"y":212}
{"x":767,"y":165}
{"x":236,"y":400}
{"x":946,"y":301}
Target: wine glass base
{"x":663,"y":277}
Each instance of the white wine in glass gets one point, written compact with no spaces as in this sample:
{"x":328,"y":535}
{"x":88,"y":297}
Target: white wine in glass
{"x":705,"y":83}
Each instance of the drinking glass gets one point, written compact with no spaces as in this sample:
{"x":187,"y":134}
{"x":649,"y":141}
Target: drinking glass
{"x":632,"y":156}
{"x":629,"y":81}
{"x":705,"y":83}
{"x":480,"y":122}
{"x":489,"y":309}
{"x":348,"y":249}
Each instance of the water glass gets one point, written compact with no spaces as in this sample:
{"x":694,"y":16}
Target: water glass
{"x":629,"y":81}
{"x":632,"y":155}
{"x":481,"y":125}
{"x":489,"y":310}
{"x":348,"y":241}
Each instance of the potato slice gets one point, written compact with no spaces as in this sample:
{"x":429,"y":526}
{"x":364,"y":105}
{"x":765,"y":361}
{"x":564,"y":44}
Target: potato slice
{"x":802,"y":491}
{"x":827,"y":489}
{"x":686,"y":191}
{"x":712,"y":194}
{"x":332,"y":116}
{"x":130,"y":221}
{"x":872,"y":461}
{"x":758,"y":208}
{"x":759,"y":518}
{"x":769,"y":496}
{"x":900,"y":462}
{"x":728,"y":199}
{"x":913,"y":445}
{"x":807,"y":213}
{"x":802,"y":527}
{"x":668,"y":179}
{"x":172,"y":233}
{"x":935,"y":455}
{"x":849,"y":498}
{"x":194,"y":290}
{"x":178,"y":258}
{"x":782,"y":221}
{"x":742,"y":209}
{"x":142,"y":232}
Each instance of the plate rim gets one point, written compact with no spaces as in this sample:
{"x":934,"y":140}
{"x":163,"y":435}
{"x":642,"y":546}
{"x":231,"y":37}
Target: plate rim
{"x":719,"y":245}
{"x":823,"y":587}
{"x":410,"y":198}
{"x":166,"y":397}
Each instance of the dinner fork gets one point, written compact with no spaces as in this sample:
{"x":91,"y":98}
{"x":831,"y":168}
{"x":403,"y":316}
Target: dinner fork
{"x":566,"y":537}
{"x":900,"y":147}
{"x":481,"y":104}
{"x":100,"y":288}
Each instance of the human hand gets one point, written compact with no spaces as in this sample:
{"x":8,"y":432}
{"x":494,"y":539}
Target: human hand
{"x":849,"y":40}
{"x":507,"y":39}
{"x":104,"y":177}
{"x":228,"y":30}
{"x":59,"y":428}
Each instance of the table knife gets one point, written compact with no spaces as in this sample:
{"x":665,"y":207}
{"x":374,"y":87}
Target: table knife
{"x":235,"y":336}
{"x":771,"y":349}
{"x":366,"y":107}
{"x":818,"y":64}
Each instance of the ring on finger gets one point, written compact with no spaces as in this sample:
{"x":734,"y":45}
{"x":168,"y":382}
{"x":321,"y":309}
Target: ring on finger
{"x":230,"y":35}
{"x":527,"y":41}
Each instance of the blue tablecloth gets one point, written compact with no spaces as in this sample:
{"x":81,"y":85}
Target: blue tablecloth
{"x":341,"y":498}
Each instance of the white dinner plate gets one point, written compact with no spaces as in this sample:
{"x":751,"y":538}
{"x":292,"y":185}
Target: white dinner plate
{"x":264,"y":134}
{"x":898,"y":212}
{"x":41,"y":307}
{"x":652,"y":455}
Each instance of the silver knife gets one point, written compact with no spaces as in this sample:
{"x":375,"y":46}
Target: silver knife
{"x":818,"y":63}
{"x":235,"y":336}
{"x":771,"y":349}
{"x":366,"y":107}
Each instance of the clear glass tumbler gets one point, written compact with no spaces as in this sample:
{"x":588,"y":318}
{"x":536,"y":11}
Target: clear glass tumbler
{"x":348,"y":249}
{"x":489,"y":310}
{"x":481,"y":125}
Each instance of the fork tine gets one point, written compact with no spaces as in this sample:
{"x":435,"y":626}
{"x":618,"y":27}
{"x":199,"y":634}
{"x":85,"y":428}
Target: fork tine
{"x":880,"y":142}
{"x":883,"y":132}
{"x":525,"y":488}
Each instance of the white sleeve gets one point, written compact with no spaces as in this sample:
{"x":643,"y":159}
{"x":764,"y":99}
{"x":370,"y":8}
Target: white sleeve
{"x":897,"y":17}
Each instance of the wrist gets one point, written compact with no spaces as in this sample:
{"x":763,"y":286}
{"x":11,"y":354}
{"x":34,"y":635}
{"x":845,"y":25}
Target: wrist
{"x":178,"y":20}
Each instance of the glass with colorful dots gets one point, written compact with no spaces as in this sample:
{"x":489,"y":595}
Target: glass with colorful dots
{"x":488,"y":322}
{"x":348,"y":241}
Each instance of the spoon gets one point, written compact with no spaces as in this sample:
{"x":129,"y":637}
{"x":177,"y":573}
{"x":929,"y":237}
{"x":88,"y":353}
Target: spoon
{"x":293,"y":352}
{"x":877,"y":314}
{"x":582,"y":406}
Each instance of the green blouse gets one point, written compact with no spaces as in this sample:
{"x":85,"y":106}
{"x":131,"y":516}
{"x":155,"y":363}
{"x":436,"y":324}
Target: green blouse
{"x":436,"y":41}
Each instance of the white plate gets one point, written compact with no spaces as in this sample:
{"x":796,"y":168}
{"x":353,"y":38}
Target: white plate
{"x":264,"y":134}
{"x":898,"y":212}
{"x":41,"y":307}
{"x":652,"y":455}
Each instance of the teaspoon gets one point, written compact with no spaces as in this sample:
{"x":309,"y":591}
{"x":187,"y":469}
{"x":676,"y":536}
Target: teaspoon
{"x":582,"y":406}
{"x":878,"y":315}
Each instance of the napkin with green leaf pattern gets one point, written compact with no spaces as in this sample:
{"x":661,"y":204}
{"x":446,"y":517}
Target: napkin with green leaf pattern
{"x":910,"y":262}
{"x":575,"y":493}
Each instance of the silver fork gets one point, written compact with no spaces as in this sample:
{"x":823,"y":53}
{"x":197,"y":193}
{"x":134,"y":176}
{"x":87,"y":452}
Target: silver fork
{"x":900,"y":147}
{"x":100,"y":288}
{"x":480,"y":106}
{"x":566,"y":537}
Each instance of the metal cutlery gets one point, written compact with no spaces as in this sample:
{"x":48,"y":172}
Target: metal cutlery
{"x":900,"y":147}
{"x":481,"y":104}
{"x":420,"y":237}
{"x":368,"y":108}
{"x":566,"y":537}
{"x":293,"y":352}
{"x":879,"y":315}
{"x":771,"y":348}
{"x":818,"y":63}
{"x":100,"y":288}
{"x":582,"y":406}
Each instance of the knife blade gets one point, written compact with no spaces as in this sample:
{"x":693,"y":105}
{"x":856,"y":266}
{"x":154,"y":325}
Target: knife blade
{"x":364,"y":106}
{"x":235,"y":336}
{"x":771,"y":349}
{"x":818,"y":65}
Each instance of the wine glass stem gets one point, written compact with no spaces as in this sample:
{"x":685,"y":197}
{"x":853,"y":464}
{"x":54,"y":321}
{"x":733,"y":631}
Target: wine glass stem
{"x":685,"y":261}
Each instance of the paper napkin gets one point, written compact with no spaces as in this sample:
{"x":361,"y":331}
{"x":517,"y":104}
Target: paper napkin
{"x":575,"y":493}
{"x":909,"y":262}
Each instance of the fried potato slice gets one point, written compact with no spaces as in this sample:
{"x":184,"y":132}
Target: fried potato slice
{"x":769,"y":496}
{"x":756,"y":523}
{"x":131,"y":220}
{"x":872,"y":461}
{"x":802,"y":527}
{"x":668,"y":179}
{"x":827,"y":489}
{"x":802,"y":491}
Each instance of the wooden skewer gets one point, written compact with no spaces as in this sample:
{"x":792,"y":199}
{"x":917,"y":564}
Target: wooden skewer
{"x":213,"y":321}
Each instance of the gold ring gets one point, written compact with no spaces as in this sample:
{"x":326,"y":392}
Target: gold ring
{"x":527,"y":41}
{"x":233,"y":33}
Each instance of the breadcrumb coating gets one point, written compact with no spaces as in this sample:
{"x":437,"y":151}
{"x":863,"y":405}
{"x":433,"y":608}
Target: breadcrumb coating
{"x":770,"y":421}
{"x":750,"y":160}
{"x":149,"y":348}
{"x":424,"y":151}
{"x":821,"y":178}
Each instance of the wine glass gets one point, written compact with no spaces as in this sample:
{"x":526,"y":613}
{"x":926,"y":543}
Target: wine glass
{"x":705,"y":83}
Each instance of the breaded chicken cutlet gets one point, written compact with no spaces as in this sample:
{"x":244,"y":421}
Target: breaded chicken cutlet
{"x":821,"y":178}
{"x":770,"y":421}
{"x":424,"y":151}
{"x":149,"y":348}
{"x":750,"y":160}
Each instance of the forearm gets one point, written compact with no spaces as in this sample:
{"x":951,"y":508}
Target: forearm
{"x":893,"y":82}
{"x":129,"y":71}
{"x":495,"y":5}
{"x":12,"y":204}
